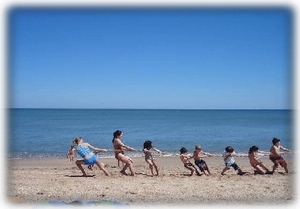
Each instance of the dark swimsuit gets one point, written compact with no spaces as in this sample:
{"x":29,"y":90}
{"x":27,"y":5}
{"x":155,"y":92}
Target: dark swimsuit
{"x":200,"y":163}
{"x":273,"y":159}
{"x":118,"y":150}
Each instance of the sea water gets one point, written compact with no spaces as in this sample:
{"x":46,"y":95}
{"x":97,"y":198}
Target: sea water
{"x":48,"y":133}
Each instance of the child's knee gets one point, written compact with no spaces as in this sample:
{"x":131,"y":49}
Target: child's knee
{"x":129,"y":162}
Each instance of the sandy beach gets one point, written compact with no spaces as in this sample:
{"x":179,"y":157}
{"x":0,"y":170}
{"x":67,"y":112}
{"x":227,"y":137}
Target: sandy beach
{"x":58,"y":180}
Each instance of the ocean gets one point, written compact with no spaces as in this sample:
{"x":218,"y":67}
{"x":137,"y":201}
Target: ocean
{"x":48,"y":133}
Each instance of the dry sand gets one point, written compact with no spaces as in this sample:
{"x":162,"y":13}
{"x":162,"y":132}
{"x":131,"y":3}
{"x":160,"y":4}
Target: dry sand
{"x":58,"y":180}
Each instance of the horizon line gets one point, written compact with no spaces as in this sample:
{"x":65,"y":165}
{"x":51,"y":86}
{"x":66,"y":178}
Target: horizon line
{"x":68,"y":108}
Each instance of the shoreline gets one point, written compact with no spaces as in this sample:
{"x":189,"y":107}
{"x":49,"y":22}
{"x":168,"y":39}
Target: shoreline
{"x":32,"y":181}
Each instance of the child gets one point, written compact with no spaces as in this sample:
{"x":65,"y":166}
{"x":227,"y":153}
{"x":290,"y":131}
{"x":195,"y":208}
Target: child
{"x":119,"y":148}
{"x":71,"y":155}
{"x":255,"y":161}
{"x":184,"y":157}
{"x":275,"y":155}
{"x":198,"y":159}
{"x":149,"y":157}
{"x":229,"y":161}
{"x":85,"y":150}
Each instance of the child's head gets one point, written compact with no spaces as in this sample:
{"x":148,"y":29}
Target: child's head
{"x":183,"y":150}
{"x":198,"y":148}
{"x":275,"y":140}
{"x":148,"y":144}
{"x":77,"y":140}
{"x":117,"y":133}
{"x":229,"y":149}
{"x":253,"y":149}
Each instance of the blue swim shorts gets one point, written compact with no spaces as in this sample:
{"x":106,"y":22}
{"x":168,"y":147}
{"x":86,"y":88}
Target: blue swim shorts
{"x":91,"y":160}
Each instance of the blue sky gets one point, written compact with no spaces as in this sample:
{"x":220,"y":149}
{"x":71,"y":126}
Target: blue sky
{"x":150,"y":58}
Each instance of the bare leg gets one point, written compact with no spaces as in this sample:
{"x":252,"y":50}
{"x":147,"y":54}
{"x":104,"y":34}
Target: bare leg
{"x":79,"y":165}
{"x":101,"y":166}
{"x":192,"y":172}
{"x":275,"y":166}
{"x":190,"y":168}
{"x":259,"y":171}
{"x":286,"y":169}
{"x":264,"y":167}
{"x":151,"y":169}
{"x":131,"y":168}
{"x":205,"y":167}
{"x":151,"y":165}
{"x":224,"y":170}
{"x":124,"y":168}
{"x":284,"y":165}
{"x":128,"y":163}
{"x":156,"y":167}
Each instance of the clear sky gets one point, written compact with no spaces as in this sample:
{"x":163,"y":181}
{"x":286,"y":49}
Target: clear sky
{"x":150,"y":58}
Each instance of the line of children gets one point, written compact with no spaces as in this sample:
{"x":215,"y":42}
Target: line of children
{"x":228,"y":157}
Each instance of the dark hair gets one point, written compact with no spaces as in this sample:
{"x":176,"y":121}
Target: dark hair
{"x":116,"y":134}
{"x":229,"y":149}
{"x":275,"y":140}
{"x":253,"y":149}
{"x":147,"y":144}
{"x":183,"y":150}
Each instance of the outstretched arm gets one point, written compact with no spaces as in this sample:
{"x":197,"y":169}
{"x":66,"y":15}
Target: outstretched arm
{"x":96,"y":149}
{"x":156,"y":150}
{"x":285,"y":149}
{"x":100,"y":150}
{"x":125,"y":146}
{"x":207,"y":154}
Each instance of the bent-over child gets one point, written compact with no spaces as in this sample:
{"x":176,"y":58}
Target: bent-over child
{"x":275,"y":155}
{"x":255,"y":161}
{"x":184,"y":157}
{"x":71,"y":155}
{"x":230,"y":161}
{"x":85,"y":150}
{"x":198,"y":155}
